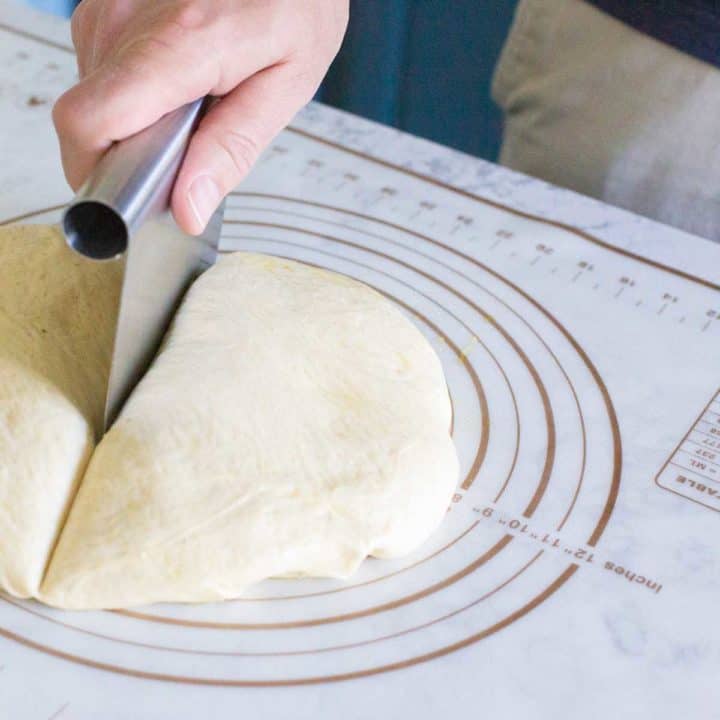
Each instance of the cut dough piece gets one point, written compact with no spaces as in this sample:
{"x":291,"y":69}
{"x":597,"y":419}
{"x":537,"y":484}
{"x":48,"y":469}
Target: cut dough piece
{"x":293,"y":423}
{"x":57,"y":313}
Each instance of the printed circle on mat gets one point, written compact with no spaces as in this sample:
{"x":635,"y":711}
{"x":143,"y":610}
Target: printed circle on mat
{"x":536,"y":435}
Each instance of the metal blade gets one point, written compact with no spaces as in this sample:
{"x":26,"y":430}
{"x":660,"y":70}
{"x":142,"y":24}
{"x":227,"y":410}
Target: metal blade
{"x":160,"y":264}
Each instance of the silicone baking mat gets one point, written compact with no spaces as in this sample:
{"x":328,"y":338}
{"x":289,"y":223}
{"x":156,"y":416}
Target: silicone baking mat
{"x":577,"y":568}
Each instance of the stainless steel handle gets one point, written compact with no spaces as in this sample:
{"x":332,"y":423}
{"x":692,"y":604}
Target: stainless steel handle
{"x":132,"y":180}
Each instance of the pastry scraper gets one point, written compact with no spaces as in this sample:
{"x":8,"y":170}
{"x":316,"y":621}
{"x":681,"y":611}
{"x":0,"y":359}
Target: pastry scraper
{"x":122,"y":213}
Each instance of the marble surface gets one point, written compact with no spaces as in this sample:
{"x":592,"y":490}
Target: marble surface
{"x":576,"y":573}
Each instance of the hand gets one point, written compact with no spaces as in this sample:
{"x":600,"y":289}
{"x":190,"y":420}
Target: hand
{"x":139,"y":59}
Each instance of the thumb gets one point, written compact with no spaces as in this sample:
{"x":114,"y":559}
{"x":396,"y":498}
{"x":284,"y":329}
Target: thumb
{"x":229,"y":140}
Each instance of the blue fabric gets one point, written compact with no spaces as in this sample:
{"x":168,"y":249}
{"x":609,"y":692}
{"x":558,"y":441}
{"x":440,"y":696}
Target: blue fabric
{"x":422,"y":65}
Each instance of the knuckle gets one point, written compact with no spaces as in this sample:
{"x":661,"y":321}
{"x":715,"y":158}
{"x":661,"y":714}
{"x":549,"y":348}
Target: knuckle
{"x":64,"y":114}
{"x":70,"y":117}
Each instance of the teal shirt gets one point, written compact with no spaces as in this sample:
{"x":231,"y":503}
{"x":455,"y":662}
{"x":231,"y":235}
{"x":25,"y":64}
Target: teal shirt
{"x":424,"y":66}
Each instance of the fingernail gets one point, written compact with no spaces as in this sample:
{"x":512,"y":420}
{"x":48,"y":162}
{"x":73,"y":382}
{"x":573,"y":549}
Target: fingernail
{"x":204,"y":198}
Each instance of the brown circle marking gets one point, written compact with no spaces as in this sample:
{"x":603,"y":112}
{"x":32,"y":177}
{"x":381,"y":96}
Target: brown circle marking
{"x":422,"y":318}
{"x":451,"y":648}
{"x":487,"y":632}
{"x":410,"y":309}
{"x":485,"y":414}
{"x":475,"y":467}
{"x":290,"y":653}
{"x":377,"y":639}
{"x":552,"y":588}
{"x":485,"y":433}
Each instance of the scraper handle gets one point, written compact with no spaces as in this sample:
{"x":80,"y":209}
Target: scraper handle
{"x":132,"y":180}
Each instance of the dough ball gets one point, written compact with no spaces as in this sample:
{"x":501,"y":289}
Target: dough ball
{"x":57,"y":314}
{"x":293,"y":423}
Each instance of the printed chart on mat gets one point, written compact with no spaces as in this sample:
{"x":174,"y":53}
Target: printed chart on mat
{"x":584,"y":380}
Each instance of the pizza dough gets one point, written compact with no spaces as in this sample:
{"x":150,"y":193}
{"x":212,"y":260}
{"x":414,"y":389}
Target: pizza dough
{"x":57,"y":312}
{"x":293,"y":422}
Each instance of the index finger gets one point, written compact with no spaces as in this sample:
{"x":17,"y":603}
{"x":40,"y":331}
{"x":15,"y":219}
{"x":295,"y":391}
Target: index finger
{"x":155,"y":71}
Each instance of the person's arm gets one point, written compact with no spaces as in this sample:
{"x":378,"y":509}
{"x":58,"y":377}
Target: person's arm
{"x":139,"y":59}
